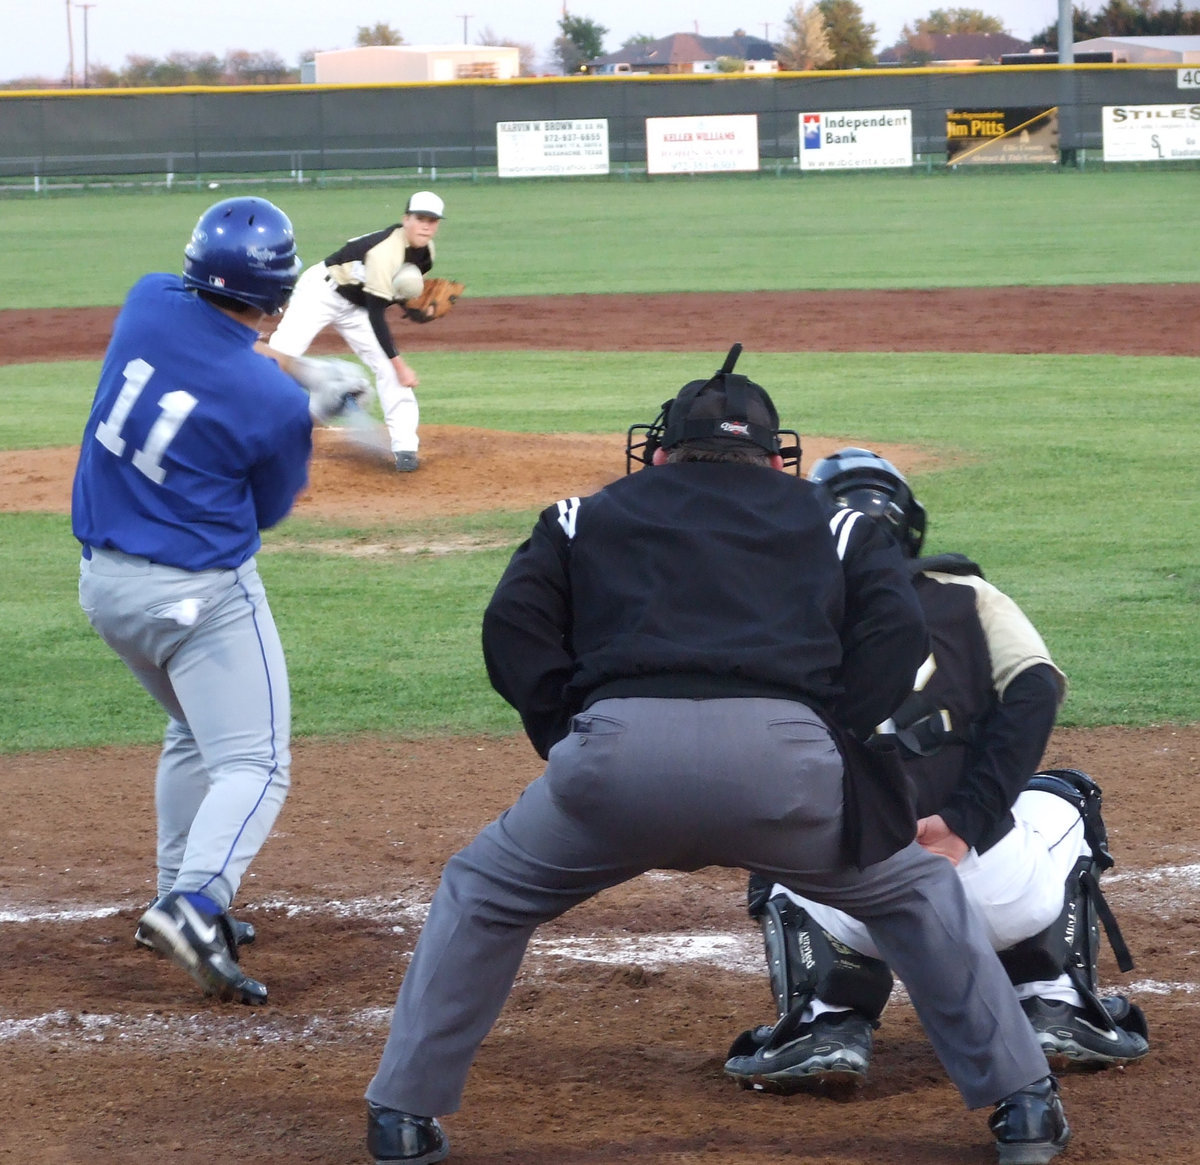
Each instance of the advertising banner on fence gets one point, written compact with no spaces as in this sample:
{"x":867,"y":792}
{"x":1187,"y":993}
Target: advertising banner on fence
{"x":976,"y":137}
{"x":860,"y":139}
{"x":1150,"y":133}
{"x":541,"y":149}
{"x":691,"y":145}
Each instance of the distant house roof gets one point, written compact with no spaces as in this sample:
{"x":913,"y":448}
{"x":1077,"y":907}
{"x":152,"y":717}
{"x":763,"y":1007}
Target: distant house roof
{"x":683,"y":48}
{"x":1137,"y":50}
{"x":955,"y":48}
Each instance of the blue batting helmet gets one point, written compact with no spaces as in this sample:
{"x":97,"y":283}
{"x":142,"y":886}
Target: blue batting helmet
{"x":244,"y":249}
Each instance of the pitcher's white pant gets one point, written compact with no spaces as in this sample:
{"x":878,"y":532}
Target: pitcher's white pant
{"x":315,"y":304}
{"x":1016,"y":887}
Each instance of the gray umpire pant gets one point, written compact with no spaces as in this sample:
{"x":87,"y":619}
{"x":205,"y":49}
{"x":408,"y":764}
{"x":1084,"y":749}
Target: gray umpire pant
{"x":646,"y":784}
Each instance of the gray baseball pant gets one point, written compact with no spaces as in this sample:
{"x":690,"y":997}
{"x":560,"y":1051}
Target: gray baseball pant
{"x":645,"y":784}
{"x":204,"y":645}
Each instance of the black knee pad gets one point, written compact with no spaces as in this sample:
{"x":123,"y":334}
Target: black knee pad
{"x":1071,"y":944}
{"x":804,"y":962}
{"x":1082,"y":792}
{"x":1085,"y":907}
{"x":1049,"y":953}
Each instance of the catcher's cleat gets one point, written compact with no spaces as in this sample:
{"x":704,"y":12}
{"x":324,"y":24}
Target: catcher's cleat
{"x":1030,"y":1126}
{"x":243,"y":932}
{"x":406,"y":461}
{"x":833,"y":1048}
{"x":401,"y":1136}
{"x":1066,"y":1033}
{"x":203,"y":945}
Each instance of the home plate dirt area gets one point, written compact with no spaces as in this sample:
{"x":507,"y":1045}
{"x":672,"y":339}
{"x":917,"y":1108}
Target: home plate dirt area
{"x":611,"y":1046}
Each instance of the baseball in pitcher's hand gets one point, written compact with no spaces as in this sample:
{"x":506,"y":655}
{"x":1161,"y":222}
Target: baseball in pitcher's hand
{"x":404,"y":373}
{"x":937,"y":837}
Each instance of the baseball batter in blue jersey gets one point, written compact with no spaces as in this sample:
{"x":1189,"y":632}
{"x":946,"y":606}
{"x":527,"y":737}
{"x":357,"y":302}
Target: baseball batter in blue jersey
{"x":196,"y":441}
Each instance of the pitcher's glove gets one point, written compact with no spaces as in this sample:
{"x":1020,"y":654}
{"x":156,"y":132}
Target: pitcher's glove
{"x":435,"y":300}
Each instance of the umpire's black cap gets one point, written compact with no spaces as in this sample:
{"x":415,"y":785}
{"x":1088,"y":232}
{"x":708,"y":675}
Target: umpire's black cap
{"x":726,"y":409}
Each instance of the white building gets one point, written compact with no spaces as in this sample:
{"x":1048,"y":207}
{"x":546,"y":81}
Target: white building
{"x":1146,"y":50}
{"x":382,"y":64}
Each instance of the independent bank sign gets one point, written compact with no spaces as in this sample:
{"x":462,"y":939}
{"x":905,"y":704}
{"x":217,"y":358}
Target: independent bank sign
{"x":859,"y":139}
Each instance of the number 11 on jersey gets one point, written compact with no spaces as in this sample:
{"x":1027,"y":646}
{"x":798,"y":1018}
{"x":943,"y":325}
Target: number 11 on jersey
{"x":175,"y":408}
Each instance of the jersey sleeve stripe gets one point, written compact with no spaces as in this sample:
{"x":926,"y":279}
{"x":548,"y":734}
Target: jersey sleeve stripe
{"x":568,"y":511}
{"x":840,"y":526}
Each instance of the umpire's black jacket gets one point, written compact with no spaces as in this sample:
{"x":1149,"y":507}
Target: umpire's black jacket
{"x":704,"y":580}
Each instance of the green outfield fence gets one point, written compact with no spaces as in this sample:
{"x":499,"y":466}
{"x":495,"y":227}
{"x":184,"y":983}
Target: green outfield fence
{"x":444,"y":129}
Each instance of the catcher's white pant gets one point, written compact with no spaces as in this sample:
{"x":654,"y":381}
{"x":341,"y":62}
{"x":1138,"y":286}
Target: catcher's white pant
{"x":315,"y":304}
{"x":1016,"y":887}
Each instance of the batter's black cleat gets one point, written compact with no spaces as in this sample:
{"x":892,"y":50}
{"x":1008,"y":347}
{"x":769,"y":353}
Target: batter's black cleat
{"x":243,"y":932}
{"x":834,"y":1048}
{"x":406,"y":461}
{"x":1066,"y":1033}
{"x":203,"y":945}
{"x":1030,"y":1126}
{"x":401,"y":1136}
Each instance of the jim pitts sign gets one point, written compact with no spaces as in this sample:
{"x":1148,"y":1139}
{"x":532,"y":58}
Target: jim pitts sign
{"x":1151,"y":133}
{"x":856,"y":139}
{"x":995,"y":136}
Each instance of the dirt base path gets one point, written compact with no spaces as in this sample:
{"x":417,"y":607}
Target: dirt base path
{"x":1135,"y":320}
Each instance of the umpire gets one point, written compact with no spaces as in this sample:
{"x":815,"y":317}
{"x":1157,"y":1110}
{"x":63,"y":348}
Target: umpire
{"x":696,"y":650}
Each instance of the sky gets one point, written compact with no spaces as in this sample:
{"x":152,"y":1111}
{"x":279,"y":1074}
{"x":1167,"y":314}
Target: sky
{"x":34,"y":40}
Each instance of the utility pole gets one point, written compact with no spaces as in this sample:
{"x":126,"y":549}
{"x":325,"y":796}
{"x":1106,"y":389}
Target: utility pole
{"x":85,"y":8}
{"x":464,"y":17}
{"x":70,"y":47}
{"x":767,"y":31}
{"x":1067,"y":118}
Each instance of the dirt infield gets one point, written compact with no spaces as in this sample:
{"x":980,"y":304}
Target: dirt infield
{"x":1132,"y":320}
{"x":610,"y":1049}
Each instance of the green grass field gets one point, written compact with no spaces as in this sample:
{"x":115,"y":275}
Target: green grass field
{"x":729,"y":233}
{"x":1072,"y":479}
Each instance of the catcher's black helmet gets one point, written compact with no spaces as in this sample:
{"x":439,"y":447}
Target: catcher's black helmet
{"x":725,"y":410}
{"x":864,"y":481}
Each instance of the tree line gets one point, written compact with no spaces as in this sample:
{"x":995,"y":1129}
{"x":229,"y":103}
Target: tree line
{"x":817,"y":34}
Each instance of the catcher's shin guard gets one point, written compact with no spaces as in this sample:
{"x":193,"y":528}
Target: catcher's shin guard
{"x":1071,"y":943}
{"x":805,"y":962}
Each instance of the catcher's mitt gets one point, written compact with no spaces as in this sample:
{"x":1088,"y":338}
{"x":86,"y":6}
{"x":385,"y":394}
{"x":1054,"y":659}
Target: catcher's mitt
{"x":435,"y":300}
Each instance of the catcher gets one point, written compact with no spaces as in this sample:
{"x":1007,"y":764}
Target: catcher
{"x":352,"y":290}
{"x":1029,"y":847}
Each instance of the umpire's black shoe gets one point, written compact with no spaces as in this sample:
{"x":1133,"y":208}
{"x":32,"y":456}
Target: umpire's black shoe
{"x":243,"y":932}
{"x":400,"y":1136}
{"x":1030,"y":1126}
{"x":203,"y":945}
